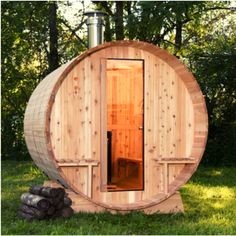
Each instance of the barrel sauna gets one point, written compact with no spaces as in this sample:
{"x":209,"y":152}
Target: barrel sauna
{"x":122,"y":127}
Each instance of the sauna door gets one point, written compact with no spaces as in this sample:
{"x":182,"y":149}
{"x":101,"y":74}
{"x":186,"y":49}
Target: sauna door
{"x":124,"y":124}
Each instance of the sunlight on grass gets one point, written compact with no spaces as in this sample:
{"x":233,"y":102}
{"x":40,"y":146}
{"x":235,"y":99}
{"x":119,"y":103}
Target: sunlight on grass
{"x":218,"y":192}
{"x":209,"y":201}
{"x":206,"y":192}
{"x":216,"y":173}
{"x":218,"y":205}
{"x":216,"y":220}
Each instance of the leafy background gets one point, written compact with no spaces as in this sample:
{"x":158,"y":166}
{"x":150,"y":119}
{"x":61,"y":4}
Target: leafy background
{"x":37,"y":37}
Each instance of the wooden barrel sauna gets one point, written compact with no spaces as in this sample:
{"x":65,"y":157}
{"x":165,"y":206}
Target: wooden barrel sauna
{"x":124,"y":125}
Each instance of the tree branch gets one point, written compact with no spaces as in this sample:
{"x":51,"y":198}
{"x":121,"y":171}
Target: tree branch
{"x":220,"y":8}
{"x":105,"y":6}
{"x":165,"y":40}
{"x":73,"y":31}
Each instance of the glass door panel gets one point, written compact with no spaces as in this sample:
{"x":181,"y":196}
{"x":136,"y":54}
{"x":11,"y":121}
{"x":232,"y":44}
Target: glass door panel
{"x":124,"y":97}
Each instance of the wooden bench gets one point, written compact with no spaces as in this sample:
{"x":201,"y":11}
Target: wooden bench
{"x":89,"y":163}
{"x":125,"y":162}
{"x":166,"y":161}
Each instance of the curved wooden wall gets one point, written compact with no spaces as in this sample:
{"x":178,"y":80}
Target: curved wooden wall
{"x":62,"y":125}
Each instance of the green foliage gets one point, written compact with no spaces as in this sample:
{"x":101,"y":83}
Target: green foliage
{"x":22,"y":68}
{"x":25,"y":42}
{"x":157,"y":20}
{"x":221,"y":146}
{"x":209,"y":202}
{"x":202,"y":34}
{"x":213,"y":61}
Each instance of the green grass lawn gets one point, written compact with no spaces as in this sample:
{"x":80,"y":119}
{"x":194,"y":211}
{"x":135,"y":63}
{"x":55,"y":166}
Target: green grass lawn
{"x":209,"y":200}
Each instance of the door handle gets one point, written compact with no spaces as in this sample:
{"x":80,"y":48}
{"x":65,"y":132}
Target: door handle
{"x":140,"y":127}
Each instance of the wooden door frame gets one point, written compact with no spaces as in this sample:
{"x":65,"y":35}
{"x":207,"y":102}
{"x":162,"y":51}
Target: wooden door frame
{"x":103,"y":122}
{"x":103,"y":126}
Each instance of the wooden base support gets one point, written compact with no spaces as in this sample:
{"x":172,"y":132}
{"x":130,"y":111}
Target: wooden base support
{"x":173,"y":204}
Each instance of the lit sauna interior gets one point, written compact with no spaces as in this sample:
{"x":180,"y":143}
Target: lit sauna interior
{"x":124,"y":81}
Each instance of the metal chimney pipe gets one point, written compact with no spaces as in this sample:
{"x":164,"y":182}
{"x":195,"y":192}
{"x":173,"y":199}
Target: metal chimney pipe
{"x":95,"y":24}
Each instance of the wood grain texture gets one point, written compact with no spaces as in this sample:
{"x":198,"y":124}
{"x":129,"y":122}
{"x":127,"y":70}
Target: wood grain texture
{"x":65,"y":117}
{"x":173,"y":204}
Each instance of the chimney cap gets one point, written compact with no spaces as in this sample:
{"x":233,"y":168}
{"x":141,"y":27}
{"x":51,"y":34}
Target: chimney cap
{"x":95,"y":13}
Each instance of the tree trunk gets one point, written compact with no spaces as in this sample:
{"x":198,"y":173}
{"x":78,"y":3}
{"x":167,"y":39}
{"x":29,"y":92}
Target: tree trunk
{"x":107,"y":33}
{"x":53,"y":59}
{"x":129,"y":20}
{"x":36,"y":201}
{"x":119,"y":27}
{"x":178,"y":35}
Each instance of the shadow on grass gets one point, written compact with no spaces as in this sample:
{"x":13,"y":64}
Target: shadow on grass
{"x":209,"y":201}
{"x":220,"y":176}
